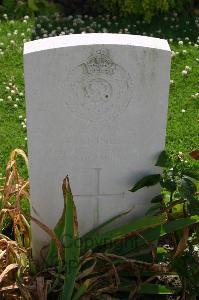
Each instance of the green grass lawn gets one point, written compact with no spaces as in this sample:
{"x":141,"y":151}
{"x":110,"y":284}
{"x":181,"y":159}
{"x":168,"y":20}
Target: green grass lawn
{"x":183,"y":119}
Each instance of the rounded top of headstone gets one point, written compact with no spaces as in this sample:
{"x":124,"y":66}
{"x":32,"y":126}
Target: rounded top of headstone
{"x":95,"y":39}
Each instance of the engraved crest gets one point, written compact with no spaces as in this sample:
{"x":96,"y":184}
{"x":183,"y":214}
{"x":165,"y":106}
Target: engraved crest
{"x":99,"y":62}
{"x":101,"y":89}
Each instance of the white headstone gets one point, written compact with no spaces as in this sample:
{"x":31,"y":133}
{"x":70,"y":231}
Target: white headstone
{"x":96,"y":110}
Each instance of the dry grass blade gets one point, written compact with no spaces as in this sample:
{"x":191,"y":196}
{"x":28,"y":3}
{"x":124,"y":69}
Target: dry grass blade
{"x":149,"y":244}
{"x":87,"y":271}
{"x":51,"y":234}
{"x":41,"y":288}
{"x":20,"y":152}
{"x":8,"y":269}
{"x":9,"y":288}
{"x":183,"y":243}
{"x":159,"y":268}
{"x":13,"y":191}
{"x":107,"y":259}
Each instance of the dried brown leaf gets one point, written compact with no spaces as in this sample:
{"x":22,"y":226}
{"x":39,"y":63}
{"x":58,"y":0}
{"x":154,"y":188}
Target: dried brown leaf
{"x":51,"y":234}
{"x":41,"y":288}
{"x":194,"y":154}
{"x":183,"y":242}
{"x":8,"y":269}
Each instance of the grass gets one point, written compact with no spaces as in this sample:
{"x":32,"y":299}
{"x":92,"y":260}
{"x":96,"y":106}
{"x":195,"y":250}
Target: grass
{"x":182,"y":127}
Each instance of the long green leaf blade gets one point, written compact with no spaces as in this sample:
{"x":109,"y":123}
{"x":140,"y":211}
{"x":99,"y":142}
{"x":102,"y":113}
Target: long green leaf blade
{"x":72,"y":243}
{"x":146,"y":182}
{"x":124,"y":230}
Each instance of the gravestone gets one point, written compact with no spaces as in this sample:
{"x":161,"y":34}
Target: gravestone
{"x":96,"y":110}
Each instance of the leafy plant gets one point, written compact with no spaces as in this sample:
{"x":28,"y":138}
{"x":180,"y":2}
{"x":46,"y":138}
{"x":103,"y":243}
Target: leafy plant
{"x":14,"y":8}
{"x":104,"y":263}
{"x":146,"y":8}
{"x":181,"y":204}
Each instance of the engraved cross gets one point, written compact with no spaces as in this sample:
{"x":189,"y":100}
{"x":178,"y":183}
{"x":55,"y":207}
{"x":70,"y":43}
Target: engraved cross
{"x":96,"y":195}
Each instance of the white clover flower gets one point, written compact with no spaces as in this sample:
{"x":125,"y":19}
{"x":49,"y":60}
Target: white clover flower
{"x":180,"y":43}
{"x":20,"y":117}
{"x":196,"y":45}
{"x":187,"y":68}
{"x":17,"y":99}
{"x":26,"y":17}
{"x":184,"y":73}
{"x":184,"y":52}
{"x":172,"y":82}
{"x":186,"y":38}
{"x":25,"y":21}
{"x":15,"y":105}
{"x":9,"y":98}
{"x":21,"y":94}
{"x":1,"y":100}
{"x":171,"y":40}
{"x":7,"y":88}
{"x":9,"y":34}
{"x":12,"y":92}
{"x":196,"y":248}
{"x":25,"y":138}
{"x":183,"y":110}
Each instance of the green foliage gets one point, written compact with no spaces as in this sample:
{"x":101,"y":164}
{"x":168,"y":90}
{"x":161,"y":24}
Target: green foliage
{"x":105,"y":261}
{"x":146,"y":8}
{"x":181,"y":203}
{"x":17,"y":9}
{"x":124,"y":244}
{"x":146,"y":182}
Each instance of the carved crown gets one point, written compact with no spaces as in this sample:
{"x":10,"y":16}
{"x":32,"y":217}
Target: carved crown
{"x":100,"y":62}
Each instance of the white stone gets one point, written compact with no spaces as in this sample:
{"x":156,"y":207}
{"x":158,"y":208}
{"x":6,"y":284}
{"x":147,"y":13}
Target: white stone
{"x":96,"y":110}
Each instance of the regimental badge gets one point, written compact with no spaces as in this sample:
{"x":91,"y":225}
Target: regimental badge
{"x":99,"y":62}
{"x":100,"y":88}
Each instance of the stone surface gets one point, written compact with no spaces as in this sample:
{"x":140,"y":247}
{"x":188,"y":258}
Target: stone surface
{"x":96,"y":110}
